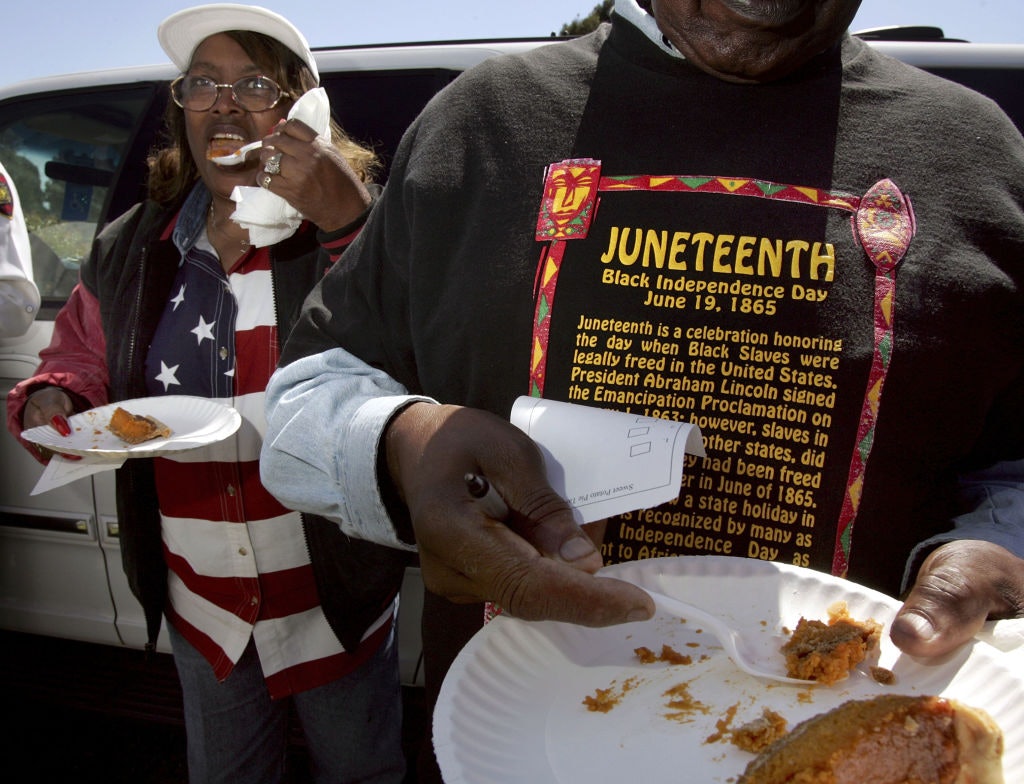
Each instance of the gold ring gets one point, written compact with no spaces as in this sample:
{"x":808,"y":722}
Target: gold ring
{"x":266,"y":181}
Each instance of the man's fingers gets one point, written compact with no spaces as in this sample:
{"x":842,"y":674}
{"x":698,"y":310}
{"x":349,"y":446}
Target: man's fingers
{"x":932,"y":623}
{"x":526,"y":585}
{"x":958,"y":588}
{"x":556,"y":591}
{"x":531,"y":558}
{"x":555,"y":534}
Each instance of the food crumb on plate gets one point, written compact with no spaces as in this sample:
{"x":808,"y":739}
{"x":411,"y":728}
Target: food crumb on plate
{"x":752,"y":736}
{"x":827,"y":652}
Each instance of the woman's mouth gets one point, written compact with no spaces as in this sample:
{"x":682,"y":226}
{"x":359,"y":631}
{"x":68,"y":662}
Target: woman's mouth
{"x":222,"y":144}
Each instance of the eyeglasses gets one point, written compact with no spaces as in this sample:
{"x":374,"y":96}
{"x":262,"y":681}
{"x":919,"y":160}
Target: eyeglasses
{"x":252,"y":93}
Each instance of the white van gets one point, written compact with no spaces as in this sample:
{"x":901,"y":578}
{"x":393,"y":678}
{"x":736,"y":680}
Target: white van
{"x":76,"y":148}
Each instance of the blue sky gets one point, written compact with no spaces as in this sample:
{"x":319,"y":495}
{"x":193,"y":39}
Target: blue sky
{"x":46,"y":37}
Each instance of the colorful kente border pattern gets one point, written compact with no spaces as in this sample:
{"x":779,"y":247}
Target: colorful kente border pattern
{"x":883,"y":225}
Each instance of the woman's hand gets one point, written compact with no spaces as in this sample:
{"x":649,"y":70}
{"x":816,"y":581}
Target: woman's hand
{"x":44,"y":404}
{"x":48,"y":406}
{"x":313,"y":176}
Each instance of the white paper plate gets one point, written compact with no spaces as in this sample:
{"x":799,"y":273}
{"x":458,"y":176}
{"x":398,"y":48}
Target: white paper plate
{"x":194,"y":421}
{"x":511,"y":709}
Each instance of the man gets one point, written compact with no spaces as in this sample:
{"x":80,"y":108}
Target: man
{"x":700,"y":212}
{"x":19,"y":297}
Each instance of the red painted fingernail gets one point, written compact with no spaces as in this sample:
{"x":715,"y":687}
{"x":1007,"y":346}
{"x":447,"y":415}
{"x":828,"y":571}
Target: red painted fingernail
{"x":70,"y":457}
{"x":60,"y":424}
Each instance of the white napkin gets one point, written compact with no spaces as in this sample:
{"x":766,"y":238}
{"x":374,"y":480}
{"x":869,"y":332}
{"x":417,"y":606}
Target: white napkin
{"x":61,"y":471}
{"x":1007,"y":635}
{"x":267,"y":216}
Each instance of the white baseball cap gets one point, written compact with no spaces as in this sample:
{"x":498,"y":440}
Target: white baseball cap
{"x":181,"y":32}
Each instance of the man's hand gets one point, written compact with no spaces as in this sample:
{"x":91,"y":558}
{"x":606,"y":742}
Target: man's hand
{"x":960,"y":586}
{"x":537,"y":564}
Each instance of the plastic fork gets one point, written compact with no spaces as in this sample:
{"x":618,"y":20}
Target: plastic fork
{"x":732,"y":641}
{"x":238,"y":155}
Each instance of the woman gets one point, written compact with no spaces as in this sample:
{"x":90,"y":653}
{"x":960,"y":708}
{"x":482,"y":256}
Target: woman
{"x":262,"y":603}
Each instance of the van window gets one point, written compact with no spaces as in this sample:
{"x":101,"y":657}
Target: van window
{"x":63,"y":152}
{"x":376,"y":107}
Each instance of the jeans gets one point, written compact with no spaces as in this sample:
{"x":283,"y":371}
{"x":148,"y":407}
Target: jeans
{"x":237,"y":735}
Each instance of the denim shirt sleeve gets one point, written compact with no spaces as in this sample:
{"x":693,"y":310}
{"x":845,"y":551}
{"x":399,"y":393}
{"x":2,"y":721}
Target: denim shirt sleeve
{"x":995,"y":500}
{"x":326,"y":414}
